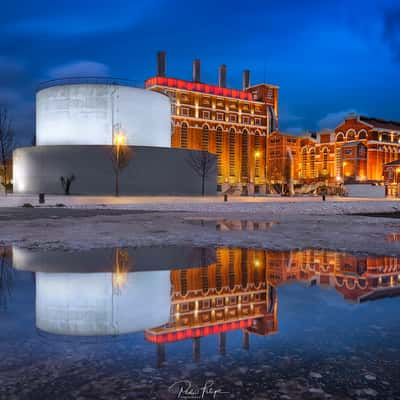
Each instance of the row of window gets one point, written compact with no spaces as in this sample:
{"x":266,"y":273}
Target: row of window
{"x":219,"y":116}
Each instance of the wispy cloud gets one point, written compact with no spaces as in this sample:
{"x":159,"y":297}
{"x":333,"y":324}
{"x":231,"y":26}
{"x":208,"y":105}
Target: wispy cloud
{"x":79,"y":69}
{"x":332,"y":120}
{"x":81,"y":19}
{"x":391,"y":32}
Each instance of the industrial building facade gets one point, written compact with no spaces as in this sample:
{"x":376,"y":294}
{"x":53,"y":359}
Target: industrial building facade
{"x":241,"y":128}
{"x":233,"y":124}
{"x":356,"y":151}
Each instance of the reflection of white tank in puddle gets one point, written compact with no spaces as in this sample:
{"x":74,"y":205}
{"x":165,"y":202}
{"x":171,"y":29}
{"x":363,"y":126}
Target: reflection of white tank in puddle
{"x":95,"y":304}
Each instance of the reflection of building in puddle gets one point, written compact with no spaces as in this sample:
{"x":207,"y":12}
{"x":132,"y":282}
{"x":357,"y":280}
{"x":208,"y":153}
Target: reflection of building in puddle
{"x":226,"y":225}
{"x":393,"y":237}
{"x":232,"y":293}
{"x":357,"y":278}
{"x":239,"y":291}
{"x":108,"y":293}
{"x":102,"y":303}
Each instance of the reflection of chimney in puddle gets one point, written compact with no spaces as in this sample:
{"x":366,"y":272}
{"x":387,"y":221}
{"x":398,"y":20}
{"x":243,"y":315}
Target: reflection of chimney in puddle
{"x":196,"y":349}
{"x":246,"y":340}
{"x":160,"y":354}
{"x":222,"y":343}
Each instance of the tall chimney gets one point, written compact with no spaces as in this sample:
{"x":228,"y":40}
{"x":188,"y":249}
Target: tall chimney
{"x":222,"y":76}
{"x":161,"y":63}
{"x":196,"y":70}
{"x":246,"y":79}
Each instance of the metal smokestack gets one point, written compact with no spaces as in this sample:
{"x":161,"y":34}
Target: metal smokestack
{"x":222,"y":76}
{"x":196,"y":70}
{"x":246,"y":79}
{"x":161,"y":63}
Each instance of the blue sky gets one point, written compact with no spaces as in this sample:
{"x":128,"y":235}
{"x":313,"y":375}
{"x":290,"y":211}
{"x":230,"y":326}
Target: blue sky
{"x":328,"y":57}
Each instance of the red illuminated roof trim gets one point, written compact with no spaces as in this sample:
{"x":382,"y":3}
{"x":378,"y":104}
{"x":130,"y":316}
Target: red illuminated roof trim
{"x":198,"y":87}
{"x":197,"y":332}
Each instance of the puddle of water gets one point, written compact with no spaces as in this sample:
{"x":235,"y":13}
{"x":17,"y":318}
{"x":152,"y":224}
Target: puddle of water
{"x":250,"y":320}
{"x":227,"y":225}
{"x":393,"y":237}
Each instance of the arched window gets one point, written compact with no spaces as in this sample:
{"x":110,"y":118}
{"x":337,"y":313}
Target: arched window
{"x":219,"y":143}
{"x":232,"y":147}
{"x":350,"y":134}
{"x":245,"y":154}
{"x":204,"y":138}
{"x":312,"y":163}
{"x":362,"y":135}
{"x":184,"y":135}
{"x":340,"y":137}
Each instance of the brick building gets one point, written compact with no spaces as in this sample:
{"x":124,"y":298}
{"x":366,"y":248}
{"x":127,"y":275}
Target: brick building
{"x":234,"y":124}
{"x":356,"y":151}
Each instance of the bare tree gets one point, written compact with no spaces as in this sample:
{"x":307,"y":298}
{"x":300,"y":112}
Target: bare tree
{"x":6,"y":146}
{"x":66,"y":183}
{"x":203,"y":164}
{"x":121,"y":155}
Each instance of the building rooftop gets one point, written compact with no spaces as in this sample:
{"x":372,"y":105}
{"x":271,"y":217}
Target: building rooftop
{"x":198,"y":87}
{"x":394,"y":163}
{"x":352,"y":143}
{"x":381,"y":123}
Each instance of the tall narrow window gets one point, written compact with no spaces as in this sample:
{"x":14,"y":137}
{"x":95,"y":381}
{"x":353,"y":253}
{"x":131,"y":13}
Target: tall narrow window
{"x":325,"y":160}
{"x":339,"y":166}
{"x":231,"y":269}
{"x":312,"y":163}
{"x":304,"y":163}
{"x":245,"y":154}
{"x":184,"y":135}
{"x":232,"y":146}
{"x":218,"y":273}
{"x":244,"y":268}
{"x":183,"y":282}
{"x":204,"y":279}
{"x":219,"y":141}
{"x":204,"y":138}
{"x":257,"y":154}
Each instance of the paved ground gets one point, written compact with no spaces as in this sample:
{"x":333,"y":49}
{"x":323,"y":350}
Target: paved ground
{"x":89,"y":222}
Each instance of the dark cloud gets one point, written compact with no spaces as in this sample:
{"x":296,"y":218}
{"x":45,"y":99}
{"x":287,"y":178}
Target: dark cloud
{"x":391,"y":32}
{"x":11,"y":71}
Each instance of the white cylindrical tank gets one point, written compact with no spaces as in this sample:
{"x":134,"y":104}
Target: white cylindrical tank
{"x":89,"y":113}
{"x":90,"y":304}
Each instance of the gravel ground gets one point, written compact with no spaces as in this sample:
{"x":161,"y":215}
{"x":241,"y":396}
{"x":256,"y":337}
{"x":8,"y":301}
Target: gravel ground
{"x":88,"y":222}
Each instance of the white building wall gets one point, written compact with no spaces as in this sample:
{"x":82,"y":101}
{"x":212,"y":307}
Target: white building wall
{"x":86,"y":114}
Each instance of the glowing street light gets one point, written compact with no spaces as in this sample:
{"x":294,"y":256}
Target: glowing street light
{"x":119,"y":139}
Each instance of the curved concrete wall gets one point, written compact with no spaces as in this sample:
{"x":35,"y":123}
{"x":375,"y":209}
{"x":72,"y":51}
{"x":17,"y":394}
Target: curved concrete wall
{"x":103,"y":260}
{"x":151,"y":171}
{"x":86,"y":113}
{"x":93,"y":305}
